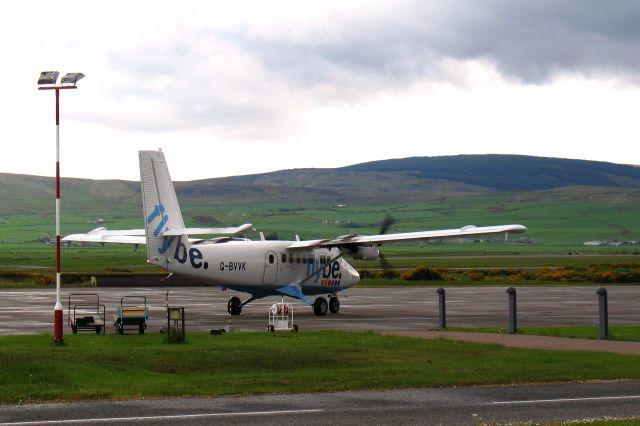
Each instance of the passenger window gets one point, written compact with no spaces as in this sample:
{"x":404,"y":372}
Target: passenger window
{"x":297,"y":259}
{"x":291,"y":258}
{"x":284,"y":257}
{"x":271,"y":258}
{"x":304,"y":259}
{"x":322,"y":259}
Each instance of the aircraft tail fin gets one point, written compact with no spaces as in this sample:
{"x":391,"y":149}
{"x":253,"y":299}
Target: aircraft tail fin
{"x":160,"y":208}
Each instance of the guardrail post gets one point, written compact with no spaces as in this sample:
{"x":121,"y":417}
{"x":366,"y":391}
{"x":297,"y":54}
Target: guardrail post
{"x":442,"y":317}
{"x":604,"y":312}
{"x":513,"y":314}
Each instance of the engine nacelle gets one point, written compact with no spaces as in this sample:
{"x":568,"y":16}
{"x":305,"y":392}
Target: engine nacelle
{"x":365,"y":252}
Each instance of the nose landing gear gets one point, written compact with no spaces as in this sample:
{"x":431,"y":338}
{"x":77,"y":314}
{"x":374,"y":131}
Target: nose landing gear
{"x":234,"y":306}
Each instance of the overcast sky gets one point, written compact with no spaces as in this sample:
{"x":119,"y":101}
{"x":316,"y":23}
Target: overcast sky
{"x":238,"y":87}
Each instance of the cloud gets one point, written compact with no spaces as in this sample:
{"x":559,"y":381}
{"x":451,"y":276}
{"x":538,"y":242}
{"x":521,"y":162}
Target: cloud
{"x":258,"y":72}
{"x":529,"y":41}
{"x":248,"y":70}
{"x":536,"y":41}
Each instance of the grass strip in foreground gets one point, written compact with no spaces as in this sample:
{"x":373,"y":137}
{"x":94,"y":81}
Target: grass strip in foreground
{"x":604,"y":422}
{"x":627,"y":333}
{"x":93,"y":366}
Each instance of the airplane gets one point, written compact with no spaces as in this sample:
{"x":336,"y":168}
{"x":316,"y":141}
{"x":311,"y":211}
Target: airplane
{"x":261,"y":268}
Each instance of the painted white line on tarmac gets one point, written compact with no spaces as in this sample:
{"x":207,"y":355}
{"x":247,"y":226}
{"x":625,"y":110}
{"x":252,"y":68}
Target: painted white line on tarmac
{"x":174,"y":417}
{"x":542,"y":401}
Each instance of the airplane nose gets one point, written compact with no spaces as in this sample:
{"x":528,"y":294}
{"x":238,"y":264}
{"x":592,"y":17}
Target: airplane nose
{"x":353,"y":277}
{"x":350,"y":276}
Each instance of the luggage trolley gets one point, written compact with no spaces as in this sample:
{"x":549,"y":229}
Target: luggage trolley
{"x":132,"y":316}
{"x":281,"y":318}
{"x":86,"y":315}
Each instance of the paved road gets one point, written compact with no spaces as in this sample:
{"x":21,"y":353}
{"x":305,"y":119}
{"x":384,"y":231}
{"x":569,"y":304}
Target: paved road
{"x":407,"y":310}
{"x":378,"y":309}
{"x":449,"y":406}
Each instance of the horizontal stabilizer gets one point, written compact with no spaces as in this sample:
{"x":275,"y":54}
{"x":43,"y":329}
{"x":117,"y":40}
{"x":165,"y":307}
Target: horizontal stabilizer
{"x":204,"y":231}
{"x":106,"y":237}
{"x":137,"y":236}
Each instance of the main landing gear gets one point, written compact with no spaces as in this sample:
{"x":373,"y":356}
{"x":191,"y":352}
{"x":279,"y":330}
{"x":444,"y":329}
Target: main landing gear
{"x":320,"y":306}
{"x":234,"y":306}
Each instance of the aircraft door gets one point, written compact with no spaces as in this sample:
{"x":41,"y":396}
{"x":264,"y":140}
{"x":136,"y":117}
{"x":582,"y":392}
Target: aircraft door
{"x":270,"y":268}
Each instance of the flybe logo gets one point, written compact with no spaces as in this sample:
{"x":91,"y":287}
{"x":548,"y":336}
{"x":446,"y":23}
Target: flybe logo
{"x":158,"y":213}
{"x":193,"y":255}
{"x":330,"y":275}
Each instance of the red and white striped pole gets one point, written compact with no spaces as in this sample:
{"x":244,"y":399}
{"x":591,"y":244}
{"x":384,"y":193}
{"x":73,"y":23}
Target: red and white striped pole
{"x":57,"y":310}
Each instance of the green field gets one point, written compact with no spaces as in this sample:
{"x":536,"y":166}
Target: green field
{"x":558,"y":222}
{"x":92,"y":366}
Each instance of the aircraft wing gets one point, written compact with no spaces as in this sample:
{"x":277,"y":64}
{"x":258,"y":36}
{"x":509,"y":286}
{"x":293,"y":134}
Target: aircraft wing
{"x":137,"y":236}
{"x":466,"y":231}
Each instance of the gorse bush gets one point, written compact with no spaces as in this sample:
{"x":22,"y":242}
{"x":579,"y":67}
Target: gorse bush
{"x":424,"y":273}
{"x":623,"y":273}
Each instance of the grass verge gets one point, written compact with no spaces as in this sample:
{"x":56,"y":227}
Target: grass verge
{"x":635,"y":421}
{"x":628,"y":333}
{"x":86,"y":367}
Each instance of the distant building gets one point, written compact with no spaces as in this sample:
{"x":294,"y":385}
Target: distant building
{"x":610,"y":243}
{"x":595,"y":243}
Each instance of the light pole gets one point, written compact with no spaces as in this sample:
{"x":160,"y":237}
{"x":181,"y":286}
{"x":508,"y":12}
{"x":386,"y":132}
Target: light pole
{"x":49,"y":81}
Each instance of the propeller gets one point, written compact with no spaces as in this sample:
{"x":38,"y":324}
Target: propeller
{"x":386,"y":223}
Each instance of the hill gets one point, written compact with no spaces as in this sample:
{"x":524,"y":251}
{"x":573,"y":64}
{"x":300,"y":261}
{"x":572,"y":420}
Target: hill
{"x":509,"y":172}
{"x":566,"y":201}
{"x":380,"y":182}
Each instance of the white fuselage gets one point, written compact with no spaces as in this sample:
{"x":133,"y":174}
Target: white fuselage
{"x":260,"y":266}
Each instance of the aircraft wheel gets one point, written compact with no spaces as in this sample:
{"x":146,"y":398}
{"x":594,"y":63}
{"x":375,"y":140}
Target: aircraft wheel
{"x":320,"y":307}
{"x":234,"y":306}
{"x":334,"y":304}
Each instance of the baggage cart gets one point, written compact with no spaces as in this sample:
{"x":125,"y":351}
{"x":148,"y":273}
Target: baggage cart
{"x":131,"y":316}
{"x":87,"y":315}
{"x":281,"y":318}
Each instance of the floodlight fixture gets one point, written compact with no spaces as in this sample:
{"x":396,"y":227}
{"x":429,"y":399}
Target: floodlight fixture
{"x":72,"y":78}
{"x":48,"y":77}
